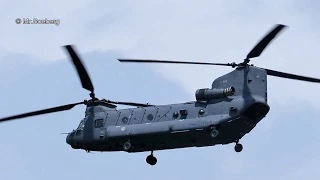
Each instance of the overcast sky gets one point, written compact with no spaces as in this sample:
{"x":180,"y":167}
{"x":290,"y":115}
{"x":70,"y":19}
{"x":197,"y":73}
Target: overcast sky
{"x":36,"y":73}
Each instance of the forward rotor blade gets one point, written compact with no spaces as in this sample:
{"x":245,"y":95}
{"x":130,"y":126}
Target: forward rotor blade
{"x":172,"y":62}
{"x":129,"y":103}
{"x":83,"y":75}
{"x":291,"y":76}
{"x":258,"y":49}
{"x":44,"y":111}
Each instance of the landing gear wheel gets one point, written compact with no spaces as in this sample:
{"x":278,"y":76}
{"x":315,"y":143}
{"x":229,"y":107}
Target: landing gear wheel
{"x":151,"y":160}
{"x":238,"y":147}
{"x":214,"y":133}
{"x":127,"y":146}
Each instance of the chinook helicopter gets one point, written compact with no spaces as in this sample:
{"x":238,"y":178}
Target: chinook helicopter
{"x":222,"y":114}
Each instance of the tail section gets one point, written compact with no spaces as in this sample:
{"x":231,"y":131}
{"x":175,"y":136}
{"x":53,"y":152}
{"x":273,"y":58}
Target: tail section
{"x":247,"y":81}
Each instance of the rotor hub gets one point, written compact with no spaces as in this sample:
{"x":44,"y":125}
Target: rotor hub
{"x":246,"y":61}
{"x":92,"y":95}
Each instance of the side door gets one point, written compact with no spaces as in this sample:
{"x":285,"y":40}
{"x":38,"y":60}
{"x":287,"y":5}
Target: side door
{"x":99,"y":126}
{"x":93,"y":127}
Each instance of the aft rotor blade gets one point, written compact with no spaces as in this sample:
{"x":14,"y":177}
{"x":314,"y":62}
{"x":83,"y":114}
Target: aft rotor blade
{"x":129,"y":103}
{"x":258,"y":49}
{"x":172,"y":62}
{"x":40,"y":112}
{"x":291,"y":76}
{"x":83,"y":75}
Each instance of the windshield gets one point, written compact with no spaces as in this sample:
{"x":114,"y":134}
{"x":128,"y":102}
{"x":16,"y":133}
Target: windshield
{"x":81,"y":125}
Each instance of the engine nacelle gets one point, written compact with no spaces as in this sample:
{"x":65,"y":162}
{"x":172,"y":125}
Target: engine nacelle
{"x":208,"y":94}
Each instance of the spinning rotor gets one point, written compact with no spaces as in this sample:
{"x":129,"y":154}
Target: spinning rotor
{"x":86,"y":84}
{"x":255,"y":52}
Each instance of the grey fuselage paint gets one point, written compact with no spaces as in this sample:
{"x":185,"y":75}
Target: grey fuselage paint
{"x":179,"y":125}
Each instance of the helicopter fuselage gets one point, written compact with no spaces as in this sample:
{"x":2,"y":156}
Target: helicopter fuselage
{"x":180,"y":125}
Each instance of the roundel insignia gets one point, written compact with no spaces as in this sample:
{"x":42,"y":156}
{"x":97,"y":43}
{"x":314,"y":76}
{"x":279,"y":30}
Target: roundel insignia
{"x":123,"y":128}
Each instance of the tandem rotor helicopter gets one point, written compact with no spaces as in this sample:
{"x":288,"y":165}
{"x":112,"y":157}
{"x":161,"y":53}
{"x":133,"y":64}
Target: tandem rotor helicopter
{"x":222,"y":114}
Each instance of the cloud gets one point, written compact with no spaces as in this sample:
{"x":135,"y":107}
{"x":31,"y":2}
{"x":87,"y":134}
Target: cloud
{"x":205,"y":31}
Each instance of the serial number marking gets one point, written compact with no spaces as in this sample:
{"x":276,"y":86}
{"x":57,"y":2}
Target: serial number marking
{"x":223,"y":81}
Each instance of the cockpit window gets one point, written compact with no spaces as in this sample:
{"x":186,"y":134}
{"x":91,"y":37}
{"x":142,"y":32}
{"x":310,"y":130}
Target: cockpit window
{"x":98,"y":123}
{"x":79,"y":132}
{"x":81,"y":125}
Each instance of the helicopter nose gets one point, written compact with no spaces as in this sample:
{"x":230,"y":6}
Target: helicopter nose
{"x":73,"y":141}
{"x":69,"y":139}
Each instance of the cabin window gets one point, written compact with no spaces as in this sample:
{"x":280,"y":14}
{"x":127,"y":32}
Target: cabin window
{"x":124,"y":120}
{"x":201,"y":112}
{"x":184,"y":112}
{"x":175,"y":115}
{"x":150,"y":117}
{"x":98,"y":123}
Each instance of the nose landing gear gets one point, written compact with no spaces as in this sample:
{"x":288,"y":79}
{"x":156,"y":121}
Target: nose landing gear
{"x":151,"y":159}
